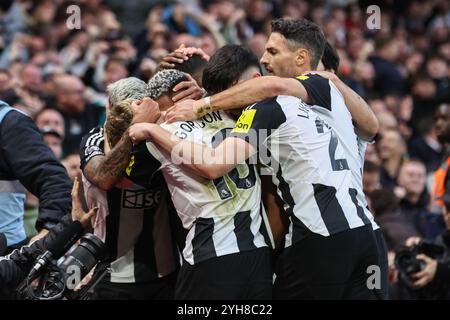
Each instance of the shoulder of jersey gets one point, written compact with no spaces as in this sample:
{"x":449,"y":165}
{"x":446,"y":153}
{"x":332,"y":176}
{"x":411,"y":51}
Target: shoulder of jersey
{"x":96,"y":130}
{"x":289,"y":99}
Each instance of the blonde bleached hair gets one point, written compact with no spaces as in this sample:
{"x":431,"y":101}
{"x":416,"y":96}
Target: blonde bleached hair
{"x":121,"y":94}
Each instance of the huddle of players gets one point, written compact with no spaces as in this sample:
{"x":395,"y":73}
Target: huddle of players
{"x":286,"y":175}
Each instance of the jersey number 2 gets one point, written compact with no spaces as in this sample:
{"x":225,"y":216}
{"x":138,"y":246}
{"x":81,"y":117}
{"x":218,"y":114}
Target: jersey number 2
{"x":336,"y":164}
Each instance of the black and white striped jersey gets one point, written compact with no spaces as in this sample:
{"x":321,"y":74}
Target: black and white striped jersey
{"x":329,"y":103}
{"x":308,"y":164}
{"x":222,"y":216}
{"x":133,"y":217}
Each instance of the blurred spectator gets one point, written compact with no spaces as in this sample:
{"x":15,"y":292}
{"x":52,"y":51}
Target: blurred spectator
{"x":257,"y":44}
{"x":5,"y":78}
{"x":426,"y":148}
{"x":230,"y":19}
{"x":394,"y":225}
{"x":415,"y":200}
{"x":372,"y":154}
{"x":51,"y":118}
{"x":53,"y":140}
{"x":437,"y":69}
{"x":31,"y":78}
{"x":178,"y":20}
{"x":259,"y":14}
{"x":132,"y":14}
{"x":79,"y":116}
{"x":115,"y":69}
{"x":392,"y":150}
{"x":387,"y":121}
{"x":371,"y":177}
{"x":72,"y":164}
{"x":424,"y":92}
{"x":440,"y":178}
{"x":388,"y":78}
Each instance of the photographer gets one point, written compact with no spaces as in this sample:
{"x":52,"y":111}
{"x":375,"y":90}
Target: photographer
{"x":432,"y":281}
{"x":15,"y":267}
{"x":437,"y":271}
{"x":26,"y":162}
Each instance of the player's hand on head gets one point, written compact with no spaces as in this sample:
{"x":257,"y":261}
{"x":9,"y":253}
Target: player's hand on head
{"x":146,"y":110}
{"x":169,"y":61}
{"x":190,"y":51}
{"x":188,"y":90}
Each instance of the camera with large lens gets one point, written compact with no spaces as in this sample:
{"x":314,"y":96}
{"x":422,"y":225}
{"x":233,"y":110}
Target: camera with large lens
{"x":58,"y":281}
{"x":407,"y":263}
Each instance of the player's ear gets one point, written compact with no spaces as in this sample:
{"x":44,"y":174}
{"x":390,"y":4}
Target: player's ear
{"x":302,"y":57}
{"x":256,"y":75}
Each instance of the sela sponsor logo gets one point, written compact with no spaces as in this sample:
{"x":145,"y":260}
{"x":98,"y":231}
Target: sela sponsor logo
{"x":141,"y":199}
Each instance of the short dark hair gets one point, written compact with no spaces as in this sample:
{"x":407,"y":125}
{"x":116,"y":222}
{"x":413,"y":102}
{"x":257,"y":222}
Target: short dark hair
{"x":330,"y":58}
{"x":193,"y":66}
{"x":226,"y":66}
{"x":303,"y":33}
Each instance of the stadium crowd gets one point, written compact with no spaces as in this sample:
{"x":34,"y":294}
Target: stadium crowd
{"x":59,"y":77}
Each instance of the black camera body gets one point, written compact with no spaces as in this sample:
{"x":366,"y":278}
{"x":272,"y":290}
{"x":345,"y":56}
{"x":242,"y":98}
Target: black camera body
{"x":58,"y":281}
{"x":407,"y":263}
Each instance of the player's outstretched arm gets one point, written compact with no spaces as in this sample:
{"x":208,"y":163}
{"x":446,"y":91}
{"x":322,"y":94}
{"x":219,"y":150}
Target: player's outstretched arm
{"x":238,"y":96}
{"x":200,"y":159}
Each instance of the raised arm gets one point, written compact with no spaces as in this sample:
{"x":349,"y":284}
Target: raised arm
{"x":238,"y":96}
{"x":200,"y":159}
{"x":105,"y":170}
{"x":257,"y":89}
{"x":364,"y":120}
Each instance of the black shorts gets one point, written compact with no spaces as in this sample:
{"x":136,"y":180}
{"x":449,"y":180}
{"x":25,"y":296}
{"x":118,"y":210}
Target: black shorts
{"x":244,"y":275}
{"x":383,"y":263}
{"x":334,"y":267}
{"x":158,"y":289}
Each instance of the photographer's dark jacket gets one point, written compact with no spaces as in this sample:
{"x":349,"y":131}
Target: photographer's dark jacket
{"x":26,"y":161}
{"x":15,"y":267}
{"x":427,"y":224}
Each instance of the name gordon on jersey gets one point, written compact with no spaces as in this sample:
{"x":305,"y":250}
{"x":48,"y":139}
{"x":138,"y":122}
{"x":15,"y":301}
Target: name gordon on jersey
{"x":187,"y":126}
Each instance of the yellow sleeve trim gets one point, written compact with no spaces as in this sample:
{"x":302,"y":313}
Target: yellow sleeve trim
{"x":245,"y":121}
{"x":130,"y":166}
{"x":302,"y":77}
